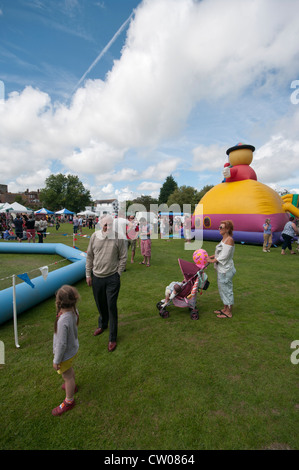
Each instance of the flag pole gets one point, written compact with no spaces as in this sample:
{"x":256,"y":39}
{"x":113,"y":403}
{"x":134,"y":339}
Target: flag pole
{"x":15,"y":311}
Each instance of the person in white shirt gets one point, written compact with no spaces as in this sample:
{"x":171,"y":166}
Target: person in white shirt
{"x":120,"y":225}
{"x":224,"y":264}
{"x":80,"y":224}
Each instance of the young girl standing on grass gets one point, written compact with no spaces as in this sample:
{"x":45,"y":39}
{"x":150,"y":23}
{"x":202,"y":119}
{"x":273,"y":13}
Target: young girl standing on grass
{"x":66,"y":344}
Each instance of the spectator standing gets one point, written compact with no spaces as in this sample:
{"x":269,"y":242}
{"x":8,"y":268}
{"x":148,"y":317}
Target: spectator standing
{"x":105,"y":261}
{"x":224,"y":265}
{"x":267,"y":236}
{"x":30,"y":230}
{"x":75,"y":224}
{"x":18,"y":223}
{"x":290,"y":231}
{"x":145,"y":241}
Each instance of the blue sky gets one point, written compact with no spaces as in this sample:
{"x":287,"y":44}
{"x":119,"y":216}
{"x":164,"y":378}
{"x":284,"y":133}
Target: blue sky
{"x":123,"y":93}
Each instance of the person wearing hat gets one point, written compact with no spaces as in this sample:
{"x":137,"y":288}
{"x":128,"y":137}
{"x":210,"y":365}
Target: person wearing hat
{"x":238,"y":169}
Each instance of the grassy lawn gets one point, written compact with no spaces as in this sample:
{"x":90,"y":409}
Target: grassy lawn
{"x":171,"y":384}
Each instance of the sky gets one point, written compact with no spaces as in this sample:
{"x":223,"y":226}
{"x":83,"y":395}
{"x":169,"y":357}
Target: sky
{"x":123,"y":93}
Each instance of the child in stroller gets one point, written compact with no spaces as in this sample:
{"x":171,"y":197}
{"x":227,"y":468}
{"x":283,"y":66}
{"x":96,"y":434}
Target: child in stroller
{"x":171,"y":291}
{"x":184,"y":294}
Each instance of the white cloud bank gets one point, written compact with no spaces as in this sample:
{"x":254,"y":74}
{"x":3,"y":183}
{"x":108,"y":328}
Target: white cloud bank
{"x":177,"y":53}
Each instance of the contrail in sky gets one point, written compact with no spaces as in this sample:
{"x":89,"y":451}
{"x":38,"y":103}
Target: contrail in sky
{"x":106,"y":48}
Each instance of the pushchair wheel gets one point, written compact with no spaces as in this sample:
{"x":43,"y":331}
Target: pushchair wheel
{"x":164,"y":313}
{"x":194,"y":315}
{"x":159,"y":304}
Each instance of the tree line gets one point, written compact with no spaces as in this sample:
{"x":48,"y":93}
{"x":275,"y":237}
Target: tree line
{"x":170,"y":194}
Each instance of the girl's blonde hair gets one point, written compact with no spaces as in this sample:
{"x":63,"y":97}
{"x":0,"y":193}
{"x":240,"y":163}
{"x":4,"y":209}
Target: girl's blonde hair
{"x":66,"y":297}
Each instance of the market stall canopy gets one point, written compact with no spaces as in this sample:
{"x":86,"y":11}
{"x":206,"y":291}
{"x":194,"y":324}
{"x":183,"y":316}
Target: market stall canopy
{"x":87,"y":213}
{"x":43,"y":210}
{"x":15,"y":207}
{"x":64,"y":211}
{"x":6,"y":207}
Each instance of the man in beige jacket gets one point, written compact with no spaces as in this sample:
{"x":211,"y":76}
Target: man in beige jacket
{"x":105,"y":261}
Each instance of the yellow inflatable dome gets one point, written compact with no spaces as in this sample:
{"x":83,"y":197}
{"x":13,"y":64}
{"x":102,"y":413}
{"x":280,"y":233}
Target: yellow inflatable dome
{"x":246,"y":202}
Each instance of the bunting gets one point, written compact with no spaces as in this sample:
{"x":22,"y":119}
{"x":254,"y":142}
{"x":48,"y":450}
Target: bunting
{"x":26,"y":279}
{"x":44,"y":270}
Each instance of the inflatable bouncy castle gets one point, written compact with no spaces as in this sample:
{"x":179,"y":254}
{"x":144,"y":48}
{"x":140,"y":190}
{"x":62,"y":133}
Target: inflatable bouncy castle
{"x":244,"y":200}
{"x":290,"y":203}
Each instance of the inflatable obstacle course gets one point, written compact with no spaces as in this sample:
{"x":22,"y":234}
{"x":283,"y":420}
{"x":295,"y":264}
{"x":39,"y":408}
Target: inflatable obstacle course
{"x":28,"y":296}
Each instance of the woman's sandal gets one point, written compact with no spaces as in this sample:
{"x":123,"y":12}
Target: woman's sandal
{"x":224,"y":315}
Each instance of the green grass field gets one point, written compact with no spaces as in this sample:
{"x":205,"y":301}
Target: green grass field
{"x":171,"y":384}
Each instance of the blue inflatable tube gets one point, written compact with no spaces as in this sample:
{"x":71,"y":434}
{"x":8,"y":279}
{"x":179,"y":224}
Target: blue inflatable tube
{"x":26,"y":296}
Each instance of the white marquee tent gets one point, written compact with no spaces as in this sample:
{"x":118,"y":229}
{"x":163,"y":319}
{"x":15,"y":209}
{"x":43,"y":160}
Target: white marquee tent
{"x":87,"y":213}
{"x":15,"y":207}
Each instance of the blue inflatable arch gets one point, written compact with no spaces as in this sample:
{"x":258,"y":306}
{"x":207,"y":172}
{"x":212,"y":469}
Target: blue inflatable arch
{"x":26,"y":296}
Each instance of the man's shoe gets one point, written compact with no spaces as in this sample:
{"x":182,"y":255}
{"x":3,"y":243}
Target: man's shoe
{"x":111,"y":346}
{"x":98,"y":331}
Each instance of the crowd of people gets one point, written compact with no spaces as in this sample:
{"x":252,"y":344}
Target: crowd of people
{"x":24,"y":227}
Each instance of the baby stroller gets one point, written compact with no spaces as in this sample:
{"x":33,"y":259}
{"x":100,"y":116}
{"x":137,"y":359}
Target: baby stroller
{"x":194,"y":280}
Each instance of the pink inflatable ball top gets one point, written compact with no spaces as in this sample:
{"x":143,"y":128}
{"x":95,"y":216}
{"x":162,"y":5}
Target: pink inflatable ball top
{"x":200,"y":258}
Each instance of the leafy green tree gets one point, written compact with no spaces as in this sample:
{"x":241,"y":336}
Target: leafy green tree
{"x":167,"y":189}
{"x":20,"y":200}
{"x":146,"y":201}
{"x":204,"y":190}
{"x":65,"y":192}
{"x":184,"y":195}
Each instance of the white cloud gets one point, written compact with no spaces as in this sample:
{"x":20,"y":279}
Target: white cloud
{"x":276,"y":160}
{"x":126,"y":174}
{"x":209,"y":158}
{"x":24,"y":182}
{"x":98,"y":158}
{"x":148,"y":186}
{"x":109,"y":189}
{"x":125,"y":194}
{"x":159,"y":171}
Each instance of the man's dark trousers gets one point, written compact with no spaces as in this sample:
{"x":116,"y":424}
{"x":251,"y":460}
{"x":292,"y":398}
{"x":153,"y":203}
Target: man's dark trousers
{"x":105,"y":292}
